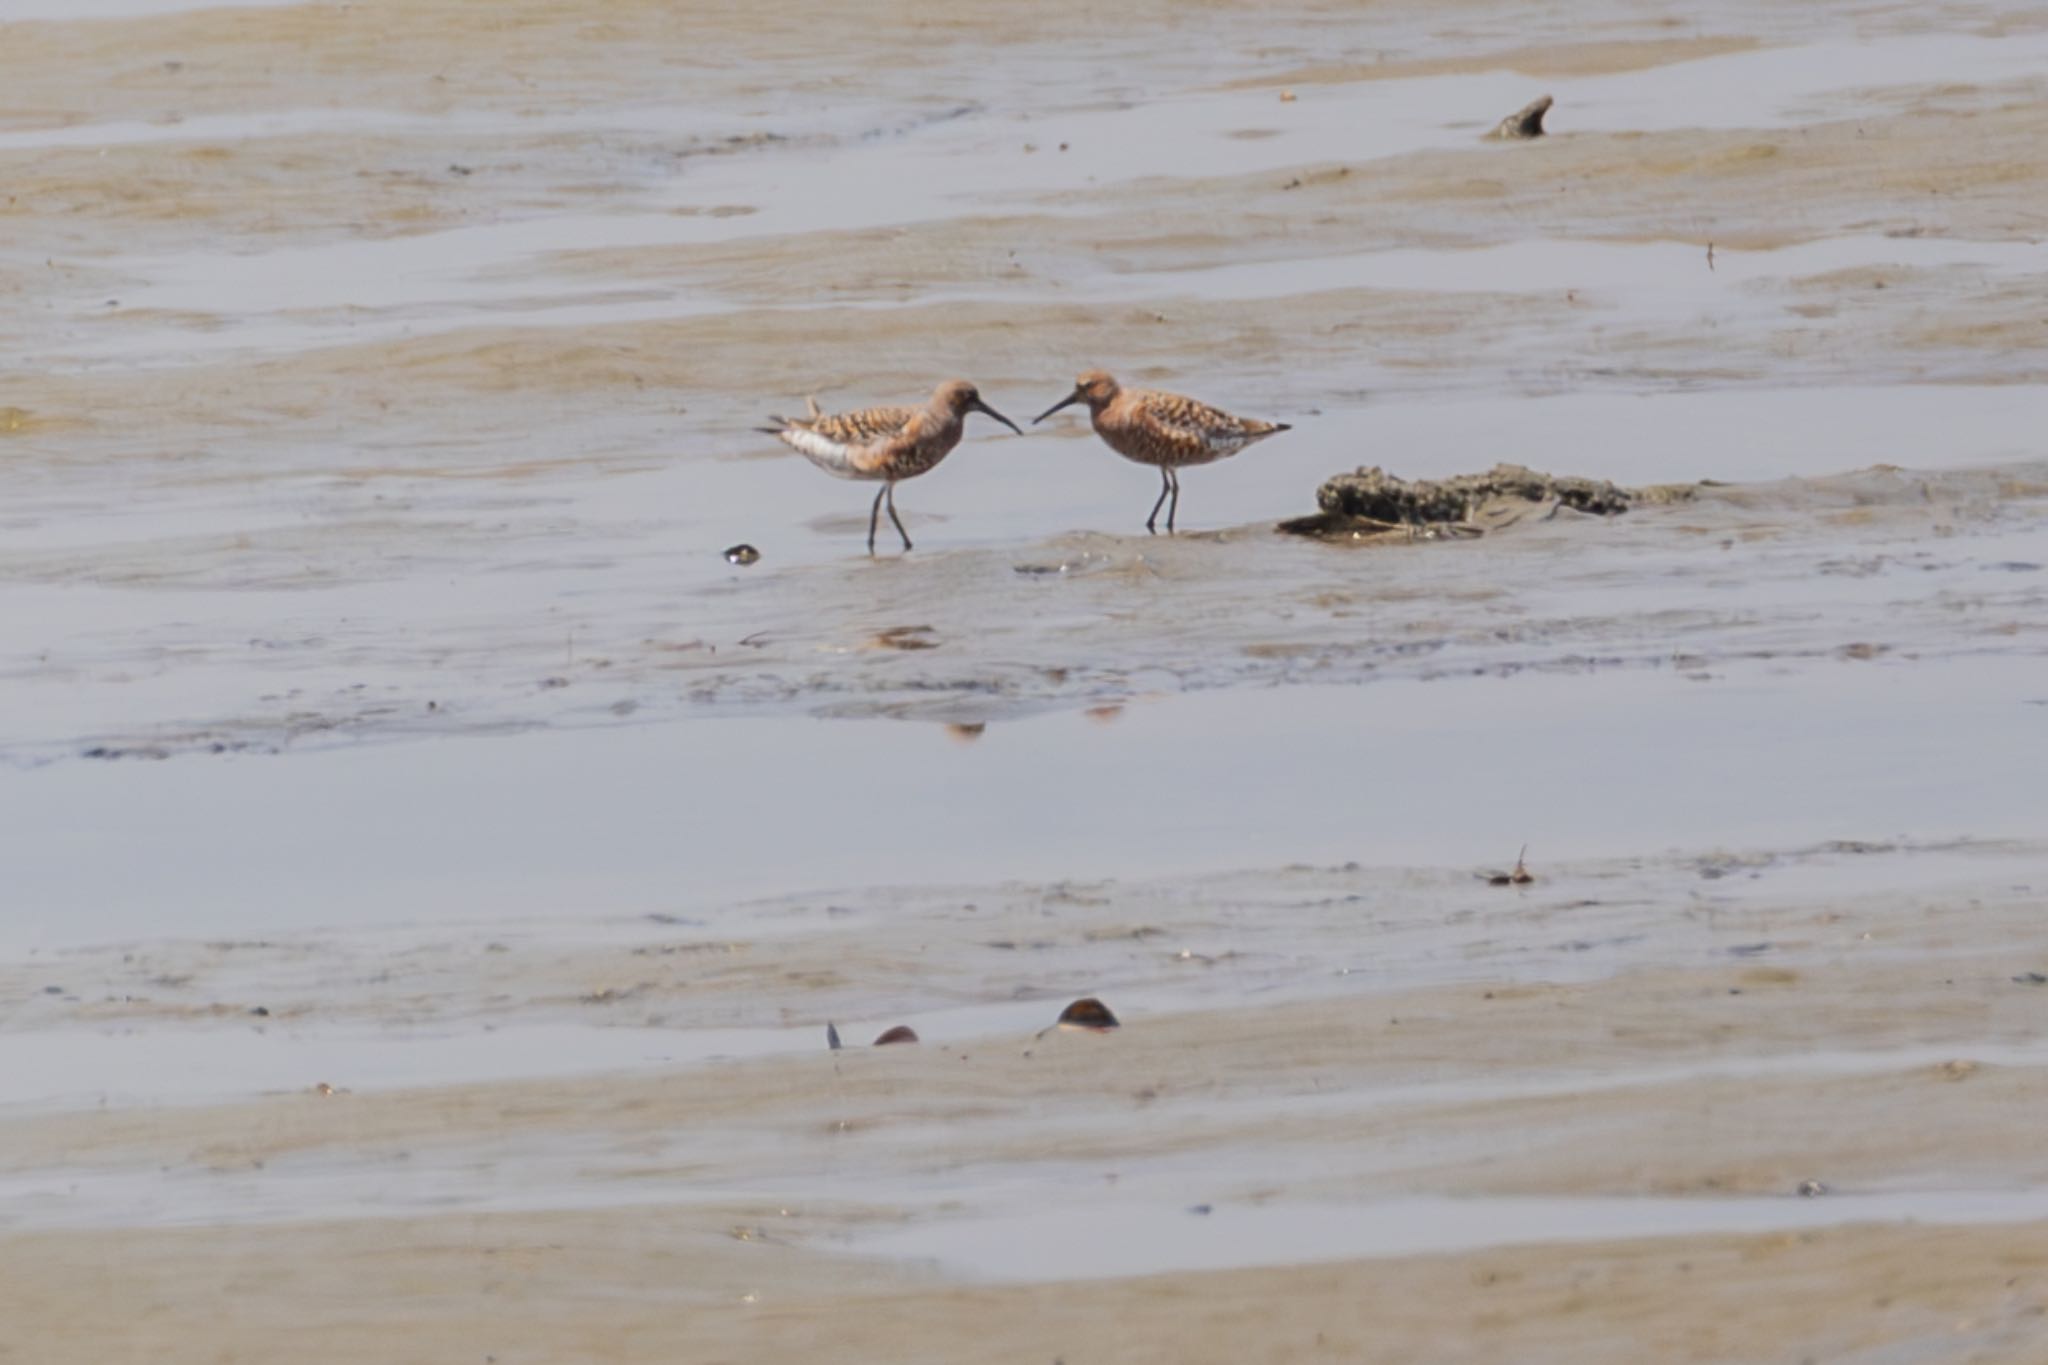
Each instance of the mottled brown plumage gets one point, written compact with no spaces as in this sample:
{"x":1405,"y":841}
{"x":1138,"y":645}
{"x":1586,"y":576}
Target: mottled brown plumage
{"x":885,"y":444}
{"x":1161,"y":429}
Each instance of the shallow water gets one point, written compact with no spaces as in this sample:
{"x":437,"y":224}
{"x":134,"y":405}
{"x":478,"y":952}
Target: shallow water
{"x":211,"y":1063}
{"x":654,"y":818}
{"x":1089,"y":1243}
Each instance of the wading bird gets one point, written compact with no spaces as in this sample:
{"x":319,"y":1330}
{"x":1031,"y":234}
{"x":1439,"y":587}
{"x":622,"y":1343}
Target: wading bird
{"x":1162,"y":429}
{"x":885,"y":444}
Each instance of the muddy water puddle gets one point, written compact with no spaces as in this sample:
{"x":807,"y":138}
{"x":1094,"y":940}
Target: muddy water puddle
{"x":1085,"y":1244}
{"x":619,"y":819}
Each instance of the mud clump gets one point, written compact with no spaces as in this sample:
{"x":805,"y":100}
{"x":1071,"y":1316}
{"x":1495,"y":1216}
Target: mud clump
{"x":1524,"y":123}
{"x":1371,"y":502}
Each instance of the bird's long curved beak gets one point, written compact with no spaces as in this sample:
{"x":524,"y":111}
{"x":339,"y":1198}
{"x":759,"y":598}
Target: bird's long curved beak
{"x":980,"y":406}
{"x":1071,"y":399}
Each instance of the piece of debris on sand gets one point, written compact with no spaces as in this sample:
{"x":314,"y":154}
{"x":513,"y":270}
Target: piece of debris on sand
{"x":1371,"y":504}
{"x":1524,"y":123}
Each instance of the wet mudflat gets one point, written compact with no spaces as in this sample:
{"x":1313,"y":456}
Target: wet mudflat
{"x":433,"y":865}
{"x":1552,"y":1107}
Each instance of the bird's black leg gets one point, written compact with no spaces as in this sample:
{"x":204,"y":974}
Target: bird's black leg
{"x":1173,"y":506}
{"x":1165,"y":487}
{"x":874,"y":517}
{"x":890,"y":489}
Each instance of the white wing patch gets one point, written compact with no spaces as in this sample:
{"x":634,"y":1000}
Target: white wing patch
{"x":834,"y":457}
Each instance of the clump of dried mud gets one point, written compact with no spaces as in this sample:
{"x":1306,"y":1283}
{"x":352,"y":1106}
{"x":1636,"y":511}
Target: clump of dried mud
{"x":1371,"y":502}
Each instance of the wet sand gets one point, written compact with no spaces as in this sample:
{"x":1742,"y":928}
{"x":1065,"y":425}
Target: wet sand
{"x":433,"y":867}
{"x":1535,"y":1138}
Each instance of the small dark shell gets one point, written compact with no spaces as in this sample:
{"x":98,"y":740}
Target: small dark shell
{"x":1088,"y":1013}
{"x":902,"y":1033}
{"x":742,"y":554}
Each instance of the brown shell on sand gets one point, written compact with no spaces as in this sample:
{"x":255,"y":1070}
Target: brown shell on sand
{"x":902,"y":1033}
{"x":1088,"y":1013}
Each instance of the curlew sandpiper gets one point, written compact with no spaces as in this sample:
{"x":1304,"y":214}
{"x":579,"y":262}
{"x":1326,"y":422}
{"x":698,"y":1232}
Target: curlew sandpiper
{"x":1162,"y":429}
{"x":885,"y":444}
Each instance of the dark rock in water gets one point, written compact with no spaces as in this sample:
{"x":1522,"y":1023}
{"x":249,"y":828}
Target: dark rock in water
{"x":1524,"y":123}
{"x":1372,"y":501}
{"x":742,"y":555}
{"x":902,"y":1033}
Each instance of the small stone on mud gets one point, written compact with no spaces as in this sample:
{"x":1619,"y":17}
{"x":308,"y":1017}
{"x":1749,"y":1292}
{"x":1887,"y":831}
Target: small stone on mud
{"x":902,"y":1033}
{"x":2032,"y":979}
{"x":1812,"y":1189}
{"x":742,"y":554}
